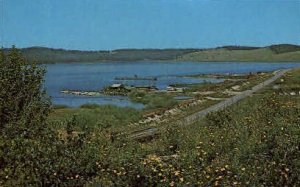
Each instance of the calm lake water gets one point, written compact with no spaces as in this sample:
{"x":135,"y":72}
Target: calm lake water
{"x":95,"y":76}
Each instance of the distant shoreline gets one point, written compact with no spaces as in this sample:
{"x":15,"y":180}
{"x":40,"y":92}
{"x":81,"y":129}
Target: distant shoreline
{"x":275,"y":53}
{"x":161,"y":61}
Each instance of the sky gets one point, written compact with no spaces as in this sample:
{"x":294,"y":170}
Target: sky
{"x":114,"y":24}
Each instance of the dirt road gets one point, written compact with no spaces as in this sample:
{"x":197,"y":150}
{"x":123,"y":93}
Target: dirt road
{"x":151,"y":131}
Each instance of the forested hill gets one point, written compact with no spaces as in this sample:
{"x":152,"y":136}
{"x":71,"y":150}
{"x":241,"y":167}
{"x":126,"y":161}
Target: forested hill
{"x":282,"y":52}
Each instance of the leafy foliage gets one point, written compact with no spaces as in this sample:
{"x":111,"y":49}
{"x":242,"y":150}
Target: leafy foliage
{"x":21,"y":95}
{"x":255,"y":143}
{"x":31,"y":152}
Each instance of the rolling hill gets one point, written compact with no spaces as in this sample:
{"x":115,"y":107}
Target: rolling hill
{"x":273,"y":53}
{"x":48,"y":55}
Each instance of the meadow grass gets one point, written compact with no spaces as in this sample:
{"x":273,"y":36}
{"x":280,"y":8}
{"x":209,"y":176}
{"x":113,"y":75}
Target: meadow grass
{"x":252,"y":143}
{"x":96,"y":116}
{"x":153,"y":100}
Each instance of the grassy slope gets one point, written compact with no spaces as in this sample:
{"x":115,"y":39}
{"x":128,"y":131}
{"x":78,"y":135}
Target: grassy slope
{"x":252,"y":143}
{"x":282,"y":52}
{"x":222,"y":54}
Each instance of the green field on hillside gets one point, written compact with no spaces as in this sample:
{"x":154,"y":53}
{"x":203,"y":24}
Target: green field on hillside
{"x":253,"y":55}
{"x":273,"y":53}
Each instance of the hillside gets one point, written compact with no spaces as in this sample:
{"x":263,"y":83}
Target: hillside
{"x":48,"y":55}
{"x":277,"y":53}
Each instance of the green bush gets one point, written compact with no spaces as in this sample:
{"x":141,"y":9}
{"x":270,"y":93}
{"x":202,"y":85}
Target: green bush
{"x":219,"y":118}
{"x":23,"y":104}
{"x":31,"y":152}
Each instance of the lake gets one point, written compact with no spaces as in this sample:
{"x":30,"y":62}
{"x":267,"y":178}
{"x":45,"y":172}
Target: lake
{"x":95,"y":76}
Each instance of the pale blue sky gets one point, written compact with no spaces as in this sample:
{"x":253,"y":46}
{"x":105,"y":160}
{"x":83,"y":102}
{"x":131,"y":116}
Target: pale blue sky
{"x":111,"y":24}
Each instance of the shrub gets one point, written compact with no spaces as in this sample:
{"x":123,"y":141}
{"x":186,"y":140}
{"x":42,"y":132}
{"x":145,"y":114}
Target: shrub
{"x":90,"y":106}
{"x":23,"y":104}
{"x":219,"y":118}
{"x":31,"y":152}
